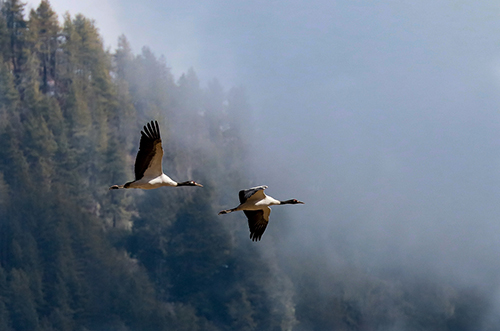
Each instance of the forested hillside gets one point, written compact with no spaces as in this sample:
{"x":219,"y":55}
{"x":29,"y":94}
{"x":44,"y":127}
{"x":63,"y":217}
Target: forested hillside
{"x":75,"y":256}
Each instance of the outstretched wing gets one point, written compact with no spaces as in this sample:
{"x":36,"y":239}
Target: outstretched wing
{"x":148,"y":159}
{"x":256,"y":193}
{"x":257,"y":222}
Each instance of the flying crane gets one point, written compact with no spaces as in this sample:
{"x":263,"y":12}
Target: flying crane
{"x":148,"y":169}
{"x":255,"y":204}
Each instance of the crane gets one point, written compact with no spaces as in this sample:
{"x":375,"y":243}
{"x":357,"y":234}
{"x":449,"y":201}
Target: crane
{"x":255,"y":204}
{"x":148,"y":169}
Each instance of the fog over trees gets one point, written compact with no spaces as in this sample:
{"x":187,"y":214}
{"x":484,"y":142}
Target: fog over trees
{"x":75,"y":256}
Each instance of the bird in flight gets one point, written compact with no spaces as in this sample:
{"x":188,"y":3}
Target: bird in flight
{"x":148,"y":169}
{"x":255,"y":204}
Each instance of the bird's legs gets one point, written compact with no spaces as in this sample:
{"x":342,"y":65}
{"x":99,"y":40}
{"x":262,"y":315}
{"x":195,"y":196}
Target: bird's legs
{"x":116,"y":187}
{"x":126,"y":185}
{"x":227,"y":211}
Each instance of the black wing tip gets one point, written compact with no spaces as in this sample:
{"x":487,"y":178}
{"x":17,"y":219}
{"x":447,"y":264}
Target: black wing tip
{"x":151,"y":130}
{"x":255,"y":236}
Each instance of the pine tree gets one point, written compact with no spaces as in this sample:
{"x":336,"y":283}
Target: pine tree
{"x":123,"y":58}
{"x":16,"y":25}
{"x":4,"y":40}
{"x":22,"y":306}
{"x":123,"y":116}
{"x":44,"y":31}
{"x":5,"y":323}
{"x":9,"y":98}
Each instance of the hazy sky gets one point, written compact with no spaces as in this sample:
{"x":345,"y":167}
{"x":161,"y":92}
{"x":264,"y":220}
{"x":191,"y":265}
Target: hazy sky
{"x":382,"y":115}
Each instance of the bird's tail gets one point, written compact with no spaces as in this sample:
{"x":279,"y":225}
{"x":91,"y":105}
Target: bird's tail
{"x":116,"y":187}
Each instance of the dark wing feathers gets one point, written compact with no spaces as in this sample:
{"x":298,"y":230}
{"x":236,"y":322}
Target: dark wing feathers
{"x":256,"y":223}
{"x":150,"y":136}
{"x":244,"y":195}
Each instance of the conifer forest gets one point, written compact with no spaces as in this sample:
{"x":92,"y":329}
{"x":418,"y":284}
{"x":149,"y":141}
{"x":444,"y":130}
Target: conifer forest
{"x":76,"y":256}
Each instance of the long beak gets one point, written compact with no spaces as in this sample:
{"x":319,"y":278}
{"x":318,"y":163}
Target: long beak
{"x":198,"y":184}
{"x":300,"y":202}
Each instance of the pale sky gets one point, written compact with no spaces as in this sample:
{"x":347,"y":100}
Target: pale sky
{"x":105,"y":13}
{"x":383,"y":116}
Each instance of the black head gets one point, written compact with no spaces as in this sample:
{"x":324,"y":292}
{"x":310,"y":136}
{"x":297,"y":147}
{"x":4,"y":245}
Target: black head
{"x":291,"y":202}
{"x":189,"y":183}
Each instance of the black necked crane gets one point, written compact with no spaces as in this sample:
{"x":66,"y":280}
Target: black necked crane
{"x":148,"y":169}
{"x":255,"y":204}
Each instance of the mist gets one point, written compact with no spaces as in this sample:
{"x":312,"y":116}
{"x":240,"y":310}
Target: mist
{"x":383,"y":117}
